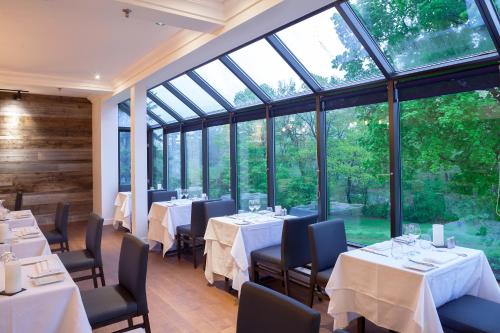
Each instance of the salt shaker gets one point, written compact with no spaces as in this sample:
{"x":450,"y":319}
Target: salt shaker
{"x":12,"y":267}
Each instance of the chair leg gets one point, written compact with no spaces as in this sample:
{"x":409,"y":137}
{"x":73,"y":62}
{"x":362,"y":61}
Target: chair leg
{"x":147,"y":328}
{"x":67,"y":246}
{"x":130,"y":322}
{"x":94,"y":277}
{"x":101,"y":273}
{"x":255,"y":273}
{"x":61,"y":247}
{"x":286,"y":282}
{"x":195,"y":264}
{"x":361,"y":325}
{"x":178,"y":236}
{"x":312,"y":285}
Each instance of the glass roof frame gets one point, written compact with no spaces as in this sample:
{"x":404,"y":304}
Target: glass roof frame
{"x":486,"y":8}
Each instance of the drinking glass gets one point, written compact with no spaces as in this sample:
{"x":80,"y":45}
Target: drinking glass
{"x":397,"y":250}
{"x":414,"y":230}
{"x":425,"y":241}
{"x":251,"y":205}
{"x":257,"y":205}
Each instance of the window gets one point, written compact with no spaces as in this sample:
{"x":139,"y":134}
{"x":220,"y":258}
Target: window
{"x":159,"y":112}
{"x":227,"y":84}
{"x":151,"y":122}
{"x":296,"y":163}
{"x":358,"y":171}
{"x":218,"y":162}
{"x":196,"y":94}
{"x":157,"y":157}
{"x":123,"y":117}
{"x":451,"y":167}
{"x":269,"y":70}
{"x":173,"y":102}
{"x":497,"y":5}
{"x":174,"y":160}
{"x":251,"y":159}
{"x":124,"y":159}
{"x":418,"y":33}
{"x":194,"y":162}
{"x":329,"y":50}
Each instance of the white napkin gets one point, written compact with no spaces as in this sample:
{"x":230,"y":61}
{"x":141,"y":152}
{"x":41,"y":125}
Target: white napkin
{"x":382,"y":246}
{"x":46,"y":267}
{"x":439,"y":257}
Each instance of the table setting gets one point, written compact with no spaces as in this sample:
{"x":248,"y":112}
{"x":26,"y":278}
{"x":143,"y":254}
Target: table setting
{"x":23,"y":241}
{"x":16,"y":219}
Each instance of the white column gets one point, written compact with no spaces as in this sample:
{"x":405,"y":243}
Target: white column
{"x":138,"y":160}
{"x":104,"y":157}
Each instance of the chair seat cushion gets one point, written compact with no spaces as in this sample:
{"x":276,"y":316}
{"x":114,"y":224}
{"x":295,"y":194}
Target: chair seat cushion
{"x":75,"y":261}
{"x":184,"y":229}
{"x":470,"y":314}
{"x":54,"y":237}
{"x":108,"y":303}
{"x":323,"y":277}
{"x":271,"y":254}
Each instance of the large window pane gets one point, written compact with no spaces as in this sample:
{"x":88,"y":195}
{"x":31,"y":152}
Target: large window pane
{"x":450,"y":154}
{"x":194,"y":162}
{"x":415,"y":33}
{"x":157,"y":152}
{"x":123,"y":117}
{"x":159,"y":112}
{"x":252,"y":176}
{"x":218,"y":162}
{"x":173,"y":102}
{"x":329,"y":50}
{"x":358,"y":171}
{"x":151,"y":122}
{"x":174,"y":160}
{"x":295,"y":159}
{"x":124,"y":159}
{"x":196,"y":94}
{"x":227,"y":84}
{"x":266,"y":67}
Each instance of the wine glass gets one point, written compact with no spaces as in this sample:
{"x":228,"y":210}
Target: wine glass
{"x":415,"y":230}
{"x":425,"y":241}
{"x":251,"y":205}
{"x":257,"y":205}
{"x":397,"y":250}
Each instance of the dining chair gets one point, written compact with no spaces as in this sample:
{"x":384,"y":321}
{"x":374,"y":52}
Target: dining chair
{"x":19,"y":201}
{"x":127,"y":299}
{"x":90,"y":258}
{"x":327,"y":240}
{"x":470,"y":314}
{"x":59,"y":235}
{"x":192,"y":233}
{"x":266,"y":311}
{"x":160,"y":195}
{"x":292,"y":253}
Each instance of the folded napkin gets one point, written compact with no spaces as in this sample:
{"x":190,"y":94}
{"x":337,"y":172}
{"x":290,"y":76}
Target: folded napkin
{"x":439,"y":257}
{"x":383,"y":246}
{"x":46,"y":267}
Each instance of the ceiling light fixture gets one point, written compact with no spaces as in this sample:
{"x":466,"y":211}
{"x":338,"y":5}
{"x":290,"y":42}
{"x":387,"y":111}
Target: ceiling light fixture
{"x":97,"y":76}
{"x":160,"y":24}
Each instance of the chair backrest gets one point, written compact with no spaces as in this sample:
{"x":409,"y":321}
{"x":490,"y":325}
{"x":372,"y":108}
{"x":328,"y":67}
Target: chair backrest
{"x":132,"y":270}
{"x":327,"y":241}
{"x":19,"y":201}
{"x":266,"y":311}
{"x":219,"y":208}
{"x":160,"y":195}
{"x":295,"y":242}
{"x":198,"y":219}
{"x":61,"y":218}
{"x":93,"y":237}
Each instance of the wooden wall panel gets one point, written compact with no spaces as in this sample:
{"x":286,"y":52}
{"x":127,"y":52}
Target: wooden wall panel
{"x":46,"y":151}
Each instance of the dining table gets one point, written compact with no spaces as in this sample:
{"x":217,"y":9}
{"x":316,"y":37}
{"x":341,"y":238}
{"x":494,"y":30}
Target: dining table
{"x":123,"y":210}
{"x":26,"y":242}
{"x":229,"y":241}
{"x":402,"y":290}
{"x":21,"y":218}
{"x":48,"y":308}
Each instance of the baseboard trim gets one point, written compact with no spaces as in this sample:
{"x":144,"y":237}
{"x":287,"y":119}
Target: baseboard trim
{"x":108,"y":221}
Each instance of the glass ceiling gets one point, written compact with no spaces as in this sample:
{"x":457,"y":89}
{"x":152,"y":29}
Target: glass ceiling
{"x":151,"y":122}
{"x":328,"y":49}
{"x":197,"y":95}
{"x":227,"y":84}
{"x":416,"y":33}
{"x":266,"y":67}
{"x":159,"y":112}
{"x":173,"y":102}
{"x":497,"y":4}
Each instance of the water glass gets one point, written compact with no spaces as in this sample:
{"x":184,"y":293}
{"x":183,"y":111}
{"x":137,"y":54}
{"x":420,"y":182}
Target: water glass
{"x":425,"y":241}
{"x":397,"y":250}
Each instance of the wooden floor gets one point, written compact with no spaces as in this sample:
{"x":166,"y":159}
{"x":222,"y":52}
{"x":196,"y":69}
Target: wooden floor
{"x":179,"y":297}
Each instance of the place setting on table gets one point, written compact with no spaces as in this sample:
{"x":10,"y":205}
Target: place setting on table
{"x":399,"y":284}
{"x":16,"y":219}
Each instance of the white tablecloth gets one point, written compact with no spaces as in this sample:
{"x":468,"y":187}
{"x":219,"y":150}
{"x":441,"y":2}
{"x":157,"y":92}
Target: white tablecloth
{"x":53,"y":308}
{"x":24,"y":248}
{"x":164,"y":218}
{"x":404,"y":300}
{"x":229,"y":245}
{"x":123,"y":210}
{"x":15,"y":222}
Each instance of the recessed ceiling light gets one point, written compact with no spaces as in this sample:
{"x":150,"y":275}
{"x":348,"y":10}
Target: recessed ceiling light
{"x":97,"y":76}
{"x":160,"y":24}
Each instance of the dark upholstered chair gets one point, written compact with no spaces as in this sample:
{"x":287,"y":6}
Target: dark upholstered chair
{"x":264,"y":310}
{"x":470,"y":314}
{"x":19,"y":201}
{"x":126,"y":300}
{"x":219,"y":208}
{"x":90,"y":258}
{"x":327,"y":240}
{"x":59,"y":235}
{"x":192,"y":233}
{"x":160,"y":195}
{"x":293,"y":252}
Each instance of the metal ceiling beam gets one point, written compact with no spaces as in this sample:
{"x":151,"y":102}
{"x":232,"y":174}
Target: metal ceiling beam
{"x":294,"y":63}
{"x":184,"y":99}
{"x":365,"y":38}
{"x":155,"y":118}
{"x":247,"y":80}
{"x":210,"y":90}
{"x":164,"y":106}
{"x":490,"y":18}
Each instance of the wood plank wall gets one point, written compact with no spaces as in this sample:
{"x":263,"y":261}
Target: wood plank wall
{"x":46,"y":151}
